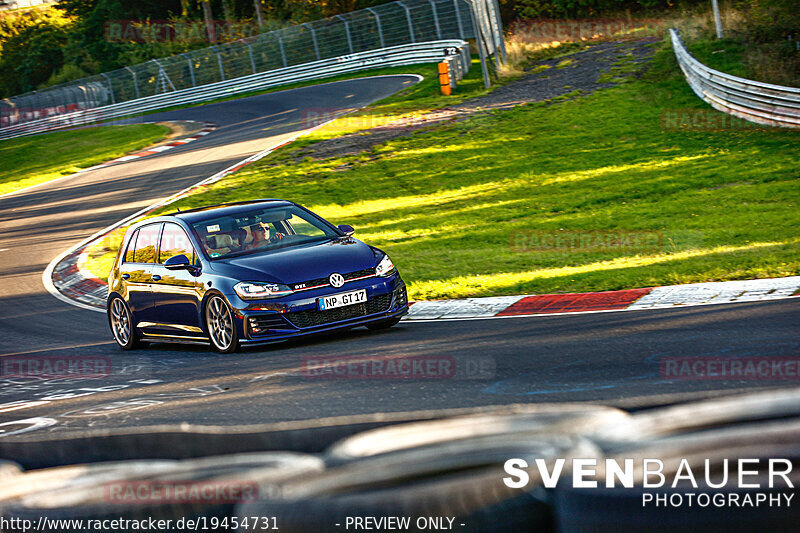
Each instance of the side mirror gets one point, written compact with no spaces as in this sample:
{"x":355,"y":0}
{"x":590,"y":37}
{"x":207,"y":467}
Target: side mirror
{"x":178,"y":262}
{"x":347,"y":230}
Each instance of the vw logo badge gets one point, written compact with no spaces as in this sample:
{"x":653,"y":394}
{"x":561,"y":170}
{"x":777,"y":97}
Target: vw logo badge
{"x":336,"y":279}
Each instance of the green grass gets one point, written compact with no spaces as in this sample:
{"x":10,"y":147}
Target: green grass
{"x":36,"y":159}
{"x":456,"y":207}
{"x":418,"y":99}
{"x":725,"y":55}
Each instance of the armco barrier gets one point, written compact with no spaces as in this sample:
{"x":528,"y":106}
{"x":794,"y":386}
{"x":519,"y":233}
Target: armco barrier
{"x":455,"y":52}
{"x":762,"y":103}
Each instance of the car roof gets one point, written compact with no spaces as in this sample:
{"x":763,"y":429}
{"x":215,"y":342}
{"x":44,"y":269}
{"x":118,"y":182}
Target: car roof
{"x":213,"y":211}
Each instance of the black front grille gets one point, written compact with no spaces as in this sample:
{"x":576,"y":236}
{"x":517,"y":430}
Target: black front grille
{"x":313,"y":317}
{"x":324,"y":281}
{"x":359,"y":273}
{"x":261,"y":324}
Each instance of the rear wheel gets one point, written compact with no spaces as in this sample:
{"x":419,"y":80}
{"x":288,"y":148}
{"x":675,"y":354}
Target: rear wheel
{"x":384,"y":324}
{"x":119,"y":318}
{"x":220,"y":326}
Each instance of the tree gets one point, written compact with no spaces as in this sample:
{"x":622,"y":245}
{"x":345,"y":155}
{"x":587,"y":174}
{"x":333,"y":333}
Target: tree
{"x":209,"y":18}
{"x":32,"y":51}
{"x":259,"y":12}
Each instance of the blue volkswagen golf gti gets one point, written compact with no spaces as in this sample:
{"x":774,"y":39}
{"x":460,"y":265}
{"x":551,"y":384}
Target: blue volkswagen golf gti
{"x":247,"y":273}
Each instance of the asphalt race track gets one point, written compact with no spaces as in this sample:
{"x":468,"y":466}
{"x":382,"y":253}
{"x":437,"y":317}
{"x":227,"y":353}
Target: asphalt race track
{"x":617,"y":358}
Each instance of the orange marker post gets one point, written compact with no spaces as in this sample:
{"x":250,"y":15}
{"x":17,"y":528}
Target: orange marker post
{"x":444,"y":78}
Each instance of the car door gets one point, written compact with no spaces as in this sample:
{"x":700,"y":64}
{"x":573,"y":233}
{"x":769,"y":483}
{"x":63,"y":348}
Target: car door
{"x":136,"y":273}
{"x":177,"y":293}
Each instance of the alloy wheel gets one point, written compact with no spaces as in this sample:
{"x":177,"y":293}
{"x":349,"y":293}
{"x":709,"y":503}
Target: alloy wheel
{"x":220,"y":324}
{"x":120,"y":322}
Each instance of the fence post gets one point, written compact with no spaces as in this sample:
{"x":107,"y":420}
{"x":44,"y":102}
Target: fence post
{"x":135,"y":82}
{"x":313,"y":38}
{"x":347,"y":32}
{"x":408,"y":17}
{"x":717,"y":20}
{"x":83,"y":97}
{"x":458,"y":19}
{"x":252,"y":59}
{"x":481,"y":45}
{"x":110,"y":87}
{"x":163,"y":77}
{"x":191,"y":69}
{"x":53,"y":103}
{"x":436,"y":19}
{"x":378,"y":24}
{"x":219,"y":61}
{"x":283,"y":52}
{"x":501,"y":42}
{"x":485,"y":16}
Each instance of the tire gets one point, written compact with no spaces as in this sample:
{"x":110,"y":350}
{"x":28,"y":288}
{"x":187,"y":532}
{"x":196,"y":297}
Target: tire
{"x":688,"y":418}
{"x":461,"y":482}
{"x":120,"y":321}
{"x":220,"y":326}
{"x":9,"y":469}
{"x":529,"y":421}
{"x":98,"y":491}
{"x":383,"y":324}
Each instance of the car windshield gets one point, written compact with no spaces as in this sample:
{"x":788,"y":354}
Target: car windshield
{"x":260,"y":230}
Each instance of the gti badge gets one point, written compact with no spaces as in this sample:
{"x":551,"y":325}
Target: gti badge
{"x":336,"y":280}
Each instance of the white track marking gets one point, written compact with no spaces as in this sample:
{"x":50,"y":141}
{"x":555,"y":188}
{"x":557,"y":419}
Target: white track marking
{"x":469,"y":308}
{"x":750,"y":290}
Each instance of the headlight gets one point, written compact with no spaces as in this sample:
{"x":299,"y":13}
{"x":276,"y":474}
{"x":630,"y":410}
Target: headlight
{"x":256,"y":291}
{"x":385,"y":267}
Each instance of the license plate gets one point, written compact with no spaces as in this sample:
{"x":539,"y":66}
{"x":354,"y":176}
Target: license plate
{"x":341,"y":300}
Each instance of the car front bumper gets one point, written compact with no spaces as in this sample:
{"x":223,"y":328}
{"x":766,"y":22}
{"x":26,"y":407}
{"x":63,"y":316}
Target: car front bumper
{"x":266,"y":321}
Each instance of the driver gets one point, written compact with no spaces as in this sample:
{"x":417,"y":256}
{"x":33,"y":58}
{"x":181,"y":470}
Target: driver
{"x":262,"y":236}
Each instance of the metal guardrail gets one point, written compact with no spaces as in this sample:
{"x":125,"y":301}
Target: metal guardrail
{"x":454,"y":52}
{"x":385,"y":26}
{"x":762,"y":103}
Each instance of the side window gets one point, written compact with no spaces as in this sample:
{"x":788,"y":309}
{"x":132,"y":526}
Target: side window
{"x":303,"y":227}
{"x":146,"y":244}
{"x":131,"y":247}
{"x":174,"y":241}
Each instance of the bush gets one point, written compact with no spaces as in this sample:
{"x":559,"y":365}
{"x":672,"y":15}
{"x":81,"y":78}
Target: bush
{"x":31,"y":44}
{"x":771,"y":20}
{"x":563,"y":9}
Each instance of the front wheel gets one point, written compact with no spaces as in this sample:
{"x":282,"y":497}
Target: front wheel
{"x":384,"y":324}
{"x":220,"y":326}
{"x":119,"y":318}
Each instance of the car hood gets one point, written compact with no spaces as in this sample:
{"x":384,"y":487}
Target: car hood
{"x":297,"y":264}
